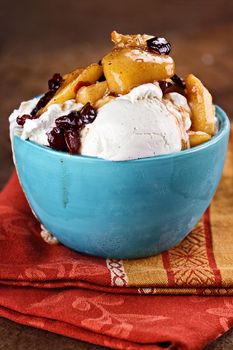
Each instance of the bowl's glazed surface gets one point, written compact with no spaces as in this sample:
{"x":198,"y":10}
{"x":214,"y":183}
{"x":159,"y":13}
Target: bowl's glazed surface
{"x":127,"y":209}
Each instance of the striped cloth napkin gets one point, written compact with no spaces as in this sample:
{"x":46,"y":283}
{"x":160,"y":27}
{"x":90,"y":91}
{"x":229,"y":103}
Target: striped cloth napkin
{"x":180,"y":299}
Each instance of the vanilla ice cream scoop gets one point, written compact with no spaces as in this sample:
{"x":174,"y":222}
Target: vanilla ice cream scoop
{"x":137,"y":125}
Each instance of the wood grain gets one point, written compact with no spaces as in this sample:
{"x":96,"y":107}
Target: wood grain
{"x":42,"y":37}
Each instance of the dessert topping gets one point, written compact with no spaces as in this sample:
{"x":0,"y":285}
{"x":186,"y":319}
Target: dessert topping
{"x":42,"y":102}
{"x":178,"y":81}
{"x":72,"y":139}
{"x":56,"y":139}
{"x":88,"y":114}
{"x":54,"y":83}
{"x":200,"y":102}
{"x":70,"y":121}
{"x":22,"y":119}
{"x":135,"y":60}
{"x":81,"y":84}
{"x":198,"y":137}
{"x":174,"y":84}
{"x":159,"y":45}
{"x":66,"y":135}
{"x":92,"y":93}
{"x":126,"y":68}
{"x":69,"y":87}
{"x":165,"y":86}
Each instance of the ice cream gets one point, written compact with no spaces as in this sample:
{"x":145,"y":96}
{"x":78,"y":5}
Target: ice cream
{"x":130,"y":105}
{"x":36,"y":129}
{"x":139,"y":124}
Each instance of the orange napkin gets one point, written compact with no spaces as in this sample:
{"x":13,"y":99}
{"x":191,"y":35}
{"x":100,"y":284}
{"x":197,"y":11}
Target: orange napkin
{"x":114,"y":302}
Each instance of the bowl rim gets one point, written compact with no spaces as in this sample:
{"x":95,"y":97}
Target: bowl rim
{"x":223,"y":130}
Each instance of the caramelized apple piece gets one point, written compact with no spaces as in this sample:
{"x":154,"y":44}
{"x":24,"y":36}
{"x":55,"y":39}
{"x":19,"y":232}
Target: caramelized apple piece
{"x":198,"y":137}
{"x":103,"y":101}
{"x":200,"y":101}
{"x":67,"y":90}
{"x":126,"y":68}
{"x":136,"y":40}
{"x":92,"y":93}
{"x":70,"y":76}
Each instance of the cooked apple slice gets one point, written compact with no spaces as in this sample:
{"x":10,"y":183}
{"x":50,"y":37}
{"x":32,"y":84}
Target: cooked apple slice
{"x":92,"y":93}
{"x":198,"y":137}
{"x":100,"y":103}
{"x":70,"y":76}
{"x":200,"y":101}
{"x":68,"y":91}
{"x":125,"y":68}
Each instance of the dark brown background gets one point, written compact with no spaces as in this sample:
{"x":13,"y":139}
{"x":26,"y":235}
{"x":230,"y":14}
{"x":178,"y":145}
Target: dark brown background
{"x":38,"y":38}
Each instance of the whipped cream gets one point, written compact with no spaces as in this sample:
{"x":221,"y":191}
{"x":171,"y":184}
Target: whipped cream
{"x":36,"y":129}
{"x":137,"y":125}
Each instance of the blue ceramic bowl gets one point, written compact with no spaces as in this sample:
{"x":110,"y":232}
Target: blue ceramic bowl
{"x":127,"y":209}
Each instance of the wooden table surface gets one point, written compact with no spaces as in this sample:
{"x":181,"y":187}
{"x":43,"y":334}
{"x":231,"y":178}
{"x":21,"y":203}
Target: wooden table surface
{"x":38,"y":38}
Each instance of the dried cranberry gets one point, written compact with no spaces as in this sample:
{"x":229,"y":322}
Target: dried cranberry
{"x":88,"y":113}
{"x":168,"y":87}
{"x":70,"y":121}
{"x":178,"y":81}
{"x":72,"y":139}
{"x":56,"y":139}
{"x":159,"y":45}
{"x":55,"y":82}
{"x":164,"y":86}
{"x":22,"y":119}
{"x":65,"y":136}
{"x":81,"y":84}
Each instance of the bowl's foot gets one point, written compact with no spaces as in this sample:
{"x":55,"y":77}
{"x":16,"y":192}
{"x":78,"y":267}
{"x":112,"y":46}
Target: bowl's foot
{"x":47,"y":236}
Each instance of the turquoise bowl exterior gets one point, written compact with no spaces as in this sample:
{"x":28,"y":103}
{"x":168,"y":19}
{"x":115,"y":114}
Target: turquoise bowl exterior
{"x":128,"y":209}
